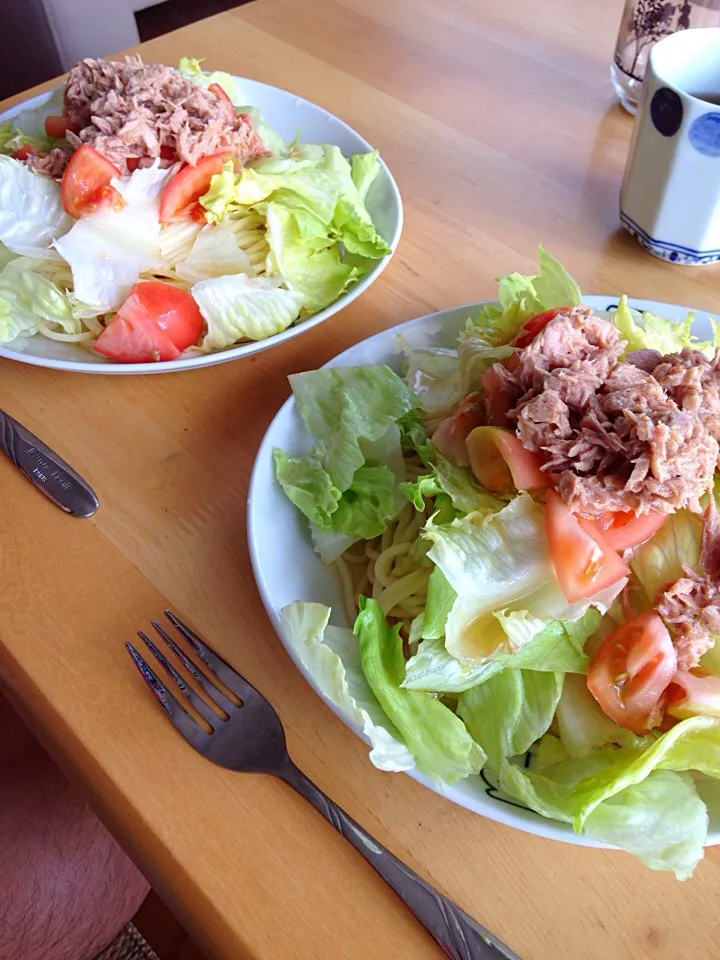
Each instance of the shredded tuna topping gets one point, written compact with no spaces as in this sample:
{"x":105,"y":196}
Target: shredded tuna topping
{"x":616,"y":436}
{"x":691,"y":605}
{"x":140,"y":113}
{"x":52,"y":164}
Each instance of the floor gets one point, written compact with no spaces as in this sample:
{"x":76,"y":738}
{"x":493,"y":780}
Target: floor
{"x":163,"y":932}
{"x":173,"y":14}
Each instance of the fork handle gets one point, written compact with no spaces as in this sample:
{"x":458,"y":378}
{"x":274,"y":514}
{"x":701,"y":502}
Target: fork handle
{"x":461,"y":937}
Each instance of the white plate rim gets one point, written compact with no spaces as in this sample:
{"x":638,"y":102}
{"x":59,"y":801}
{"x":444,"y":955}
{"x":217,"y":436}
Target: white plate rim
{"x":245,"y":349}
{"x":499,"y":812}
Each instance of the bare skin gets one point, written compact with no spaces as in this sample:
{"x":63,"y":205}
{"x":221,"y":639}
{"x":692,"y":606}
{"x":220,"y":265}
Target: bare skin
{"x":66,"y":887}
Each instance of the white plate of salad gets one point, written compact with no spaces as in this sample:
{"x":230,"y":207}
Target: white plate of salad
{"x":488,"y":539}
{"x":155,"y":219}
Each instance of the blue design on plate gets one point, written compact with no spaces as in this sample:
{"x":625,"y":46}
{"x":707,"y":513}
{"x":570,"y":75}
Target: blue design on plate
{"x":672,"y":252}
{"x":704,"y":134}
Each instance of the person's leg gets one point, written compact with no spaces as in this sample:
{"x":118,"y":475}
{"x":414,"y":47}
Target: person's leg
{"x":66,"y":887}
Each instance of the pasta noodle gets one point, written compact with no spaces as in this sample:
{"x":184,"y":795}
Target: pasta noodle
{"x":392,"y":568}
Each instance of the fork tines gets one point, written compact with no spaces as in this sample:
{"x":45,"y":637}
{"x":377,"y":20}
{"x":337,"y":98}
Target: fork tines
{"x":224,"y":687}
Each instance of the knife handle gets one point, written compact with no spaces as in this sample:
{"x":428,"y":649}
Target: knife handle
{"x":46,"y":470}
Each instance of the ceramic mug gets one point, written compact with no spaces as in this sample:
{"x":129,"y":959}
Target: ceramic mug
{"x":670,"y":197}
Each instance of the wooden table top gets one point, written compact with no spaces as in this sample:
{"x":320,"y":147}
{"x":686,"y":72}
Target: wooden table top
{"x":500,"y":125}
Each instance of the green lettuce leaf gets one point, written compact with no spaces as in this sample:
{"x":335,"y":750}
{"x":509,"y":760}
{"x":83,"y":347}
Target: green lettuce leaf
{"x":312,"y":205}
{"x":366,"y":507}
{"x":214,"y":253}
{"x":510,"y":711}
{"x":489,"y":560}
{"x":27,"y":128}
{"x":431,"y":668}
{"x":433,"y":374}
{"x":31,"y":210}
{"x":557,"y":647}
{"x":459,"y":483}
{"x":572,"y":789}
{"x":436,"y":737}
{"x":438,"y":604}
{"x":507,"y":592}
{"x":539,"y":645}
{"x":314,"y":268}
{"x":475,"y":357}
{"x":27,"y":298}
{"x":616,"y":795}
{"x":365,"y":168}
{"x":582,"y":725}
{"x":647,"y":331}
{"x":661,"y":820}
{"x":331,"y":656}
{"x":344,"y":406}
{"x":348,"y":483}
{"x":521,"y":297}
{"x":237,"y":307}
{"x":307,"y":484}
{"x":660,"y":561}
{"x":425,"y":486}
{"x":12,"y":139}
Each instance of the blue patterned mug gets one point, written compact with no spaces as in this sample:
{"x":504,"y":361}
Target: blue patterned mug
{"x":670,"y":197}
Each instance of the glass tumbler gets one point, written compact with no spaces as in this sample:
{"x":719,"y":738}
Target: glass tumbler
{"x":644,"y":22}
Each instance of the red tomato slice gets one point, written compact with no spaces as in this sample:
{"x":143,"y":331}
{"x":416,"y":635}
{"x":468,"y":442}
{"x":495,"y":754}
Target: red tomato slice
{"x":534,"y":325}
{"x":451,"y":434}
{"x":623,"y":530}
{"x":57,"y":127}
{"x":583,"y":562}
{"x":220,"y":93}
{"x":189,"y":185}
{"x":174,"y":311}
{"x":85,"y":184}
{"x":22,"y":153}
{"x":501,"y":463}
{"x":694,"y":693}
{"x":499,"y":401}
{"x":135,"y":341}
{"x":630,"y":672}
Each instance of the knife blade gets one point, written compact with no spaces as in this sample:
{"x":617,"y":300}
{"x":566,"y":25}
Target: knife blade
{"x":46,"y":470}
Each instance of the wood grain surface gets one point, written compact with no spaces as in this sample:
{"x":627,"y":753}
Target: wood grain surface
{"x":500,"y":125}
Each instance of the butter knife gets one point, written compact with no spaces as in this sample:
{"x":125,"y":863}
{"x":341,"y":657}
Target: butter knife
{"x":45,"y":469}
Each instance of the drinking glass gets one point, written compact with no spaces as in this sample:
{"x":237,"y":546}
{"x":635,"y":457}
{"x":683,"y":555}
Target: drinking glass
{"x":644,"y":22}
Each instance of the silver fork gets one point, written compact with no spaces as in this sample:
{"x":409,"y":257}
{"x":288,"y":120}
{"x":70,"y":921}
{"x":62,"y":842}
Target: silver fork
{"x":250,"y":738}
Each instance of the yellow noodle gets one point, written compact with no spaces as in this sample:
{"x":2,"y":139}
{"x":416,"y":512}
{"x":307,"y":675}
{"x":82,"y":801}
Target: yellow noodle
{"x":47,"y":331}
{"x":389,"y":568}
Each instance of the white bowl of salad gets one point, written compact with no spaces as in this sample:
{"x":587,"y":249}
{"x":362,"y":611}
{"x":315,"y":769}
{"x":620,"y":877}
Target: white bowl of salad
{"x":155,"y":219}
{"x":488,"y":538}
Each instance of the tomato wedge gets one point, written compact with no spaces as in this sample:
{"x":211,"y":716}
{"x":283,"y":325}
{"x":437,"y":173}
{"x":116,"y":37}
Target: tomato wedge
{"x":23,"y":152}
{"x":499,"y":401}
{"x":623,"y":530}
{"x":57,"y":127}
{"x":583,"y":562}
{"x":134,"y":341}
{"x":534,"y":325}
{"x":450,"y":436}
{"x":188,"y":185}
{"x":86,"y":184}
{"x":174,"y":311}
{"x":631,"y":670}
{"x":220,"y":93}
{"x":501,"y":463}
{"x":694,"y":693}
